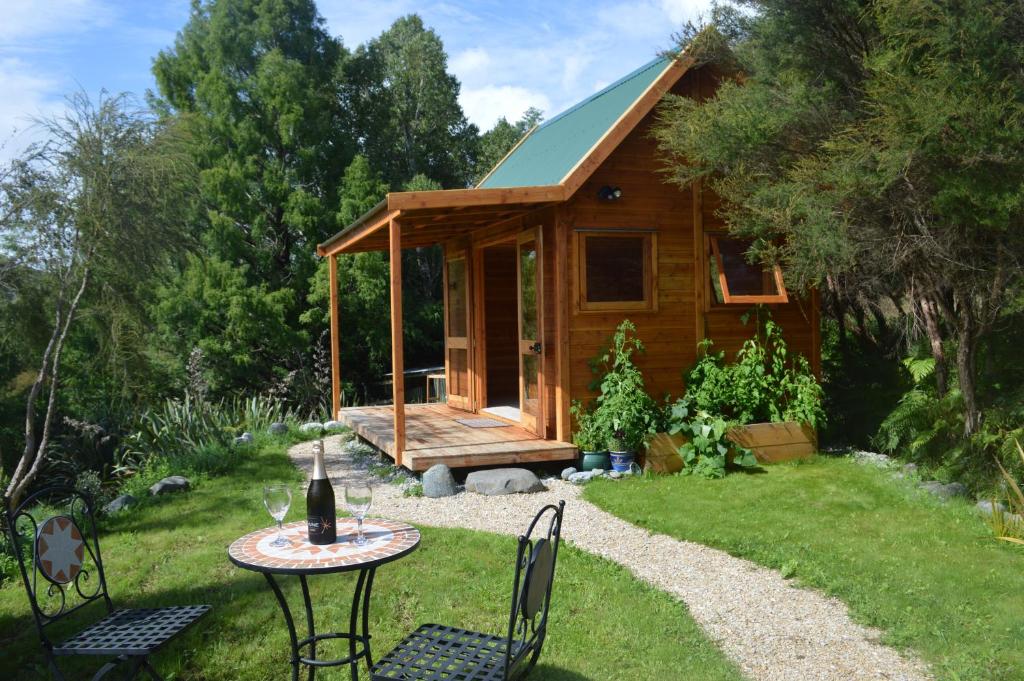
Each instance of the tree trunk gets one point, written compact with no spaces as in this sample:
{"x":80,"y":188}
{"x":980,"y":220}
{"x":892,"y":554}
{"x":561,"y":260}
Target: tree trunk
{"x":931,"y":325}
{"x":33,"y":456}
{"x":967,"y":340}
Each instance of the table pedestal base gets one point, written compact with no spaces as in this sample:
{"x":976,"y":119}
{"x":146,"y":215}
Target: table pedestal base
{"x":358,"y":643}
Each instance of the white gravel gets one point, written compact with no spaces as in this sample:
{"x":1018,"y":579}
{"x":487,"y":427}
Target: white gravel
{"x":770,"y":628}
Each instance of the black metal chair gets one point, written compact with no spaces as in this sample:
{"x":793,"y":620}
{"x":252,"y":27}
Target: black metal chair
{"x":435,"y":652}
{"x":65,"y":553}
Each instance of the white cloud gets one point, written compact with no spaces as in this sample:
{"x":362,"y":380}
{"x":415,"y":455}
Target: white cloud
{"x":470,"y":62}
{"x":24,"y":20}
{"x":485,"y":105}
{"x":680,"y":11}
{"x":23,"y":96}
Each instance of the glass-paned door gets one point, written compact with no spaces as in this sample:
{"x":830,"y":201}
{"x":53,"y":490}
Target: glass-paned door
{"x":531,"y":351}
{"x":456,"y":324}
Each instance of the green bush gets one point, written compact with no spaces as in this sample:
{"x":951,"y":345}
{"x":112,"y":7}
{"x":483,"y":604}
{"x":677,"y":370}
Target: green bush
{"x":625,"y":413}
{"x":765,"y":383}
{"x":192,"y":432}
{"x":706,"y":451}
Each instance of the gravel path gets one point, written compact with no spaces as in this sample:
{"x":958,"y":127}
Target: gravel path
{"x":770,"y":628}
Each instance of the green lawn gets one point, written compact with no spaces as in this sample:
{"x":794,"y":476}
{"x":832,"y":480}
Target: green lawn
{"x":604,"y":624}
{"x":928,"y":574}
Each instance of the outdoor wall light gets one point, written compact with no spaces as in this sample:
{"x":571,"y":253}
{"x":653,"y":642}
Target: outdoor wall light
{"x":608,"y":193}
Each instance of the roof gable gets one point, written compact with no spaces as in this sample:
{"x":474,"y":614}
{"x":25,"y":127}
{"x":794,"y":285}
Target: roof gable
{"x":550,"y":152}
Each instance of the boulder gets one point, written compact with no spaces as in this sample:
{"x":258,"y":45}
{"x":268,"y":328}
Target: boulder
{"x":614,"y":475}
{"x":988,"y":508}
{"x":566,"y":472}
{"x":311,"y":427}
{"x":503,"y":481}
{"x":172,"y":483}
{"x":910,"y":468}
{"x":335,"y":425}
{"x":119,"y":504}
{"x":582,"y":477}
{"x":244,"y":439}
{"x":438,"y":481}
{"x":944,"y":492}
{"x":956,"y":489}
{"x":277,"y":428}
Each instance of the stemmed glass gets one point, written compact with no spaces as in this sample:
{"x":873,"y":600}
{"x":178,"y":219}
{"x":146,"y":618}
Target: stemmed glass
{"x":358,"y":499}
{"x":277,"y":499}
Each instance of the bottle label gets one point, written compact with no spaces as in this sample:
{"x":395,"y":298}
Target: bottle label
{"x":319,"y":526}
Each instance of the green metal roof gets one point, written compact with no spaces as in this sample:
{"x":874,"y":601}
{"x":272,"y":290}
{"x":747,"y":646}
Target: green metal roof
{"x":554,"y":148}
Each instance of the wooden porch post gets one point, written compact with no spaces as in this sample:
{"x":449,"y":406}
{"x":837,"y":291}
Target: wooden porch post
{"x":335,"y":339}
{"x":397,"y":362}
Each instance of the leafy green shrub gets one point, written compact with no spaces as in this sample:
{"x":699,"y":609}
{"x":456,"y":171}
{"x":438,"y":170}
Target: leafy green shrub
{"x":1004,"y":528}
{"x":625,"y":413}
{"x":196,"y":435}
{"x":706,"y":452}
{"x":765,"y":383}
{"x":590,"y":436}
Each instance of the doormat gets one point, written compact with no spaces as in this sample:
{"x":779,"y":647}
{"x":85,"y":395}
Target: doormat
{"x":482,"y":423}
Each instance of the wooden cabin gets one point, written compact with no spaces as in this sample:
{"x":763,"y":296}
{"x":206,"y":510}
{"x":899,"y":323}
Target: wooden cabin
{"x":573,"y":231}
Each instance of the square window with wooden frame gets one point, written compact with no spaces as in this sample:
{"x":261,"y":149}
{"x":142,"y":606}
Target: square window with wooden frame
{"x":617,"y":270}
{"x":737,"y":281}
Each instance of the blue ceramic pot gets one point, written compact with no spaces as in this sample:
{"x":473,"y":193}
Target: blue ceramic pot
{"x":621,"y":461}
{"x":592,"y":460}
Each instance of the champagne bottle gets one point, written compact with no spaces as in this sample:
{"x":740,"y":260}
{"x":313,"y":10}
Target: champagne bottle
{"x":320,"y":514}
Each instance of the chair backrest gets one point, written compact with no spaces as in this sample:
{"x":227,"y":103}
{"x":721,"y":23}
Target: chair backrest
{"x":58,"y":555}
{"x":536,"y":556}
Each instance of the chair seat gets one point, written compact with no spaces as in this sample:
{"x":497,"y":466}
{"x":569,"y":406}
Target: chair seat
{"x":435,"y":652}
{"x":132,"y":632}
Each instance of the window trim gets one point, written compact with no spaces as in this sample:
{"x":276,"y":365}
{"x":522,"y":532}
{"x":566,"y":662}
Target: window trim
{"x":650,"y":242}
{"x":781,"y":297}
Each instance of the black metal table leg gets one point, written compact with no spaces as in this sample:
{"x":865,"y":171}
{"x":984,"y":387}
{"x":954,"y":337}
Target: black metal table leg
{"x":358,"y":643}
{"x":309,"y":624}
{"x":288,"y":620}
{"x":366,"y":619}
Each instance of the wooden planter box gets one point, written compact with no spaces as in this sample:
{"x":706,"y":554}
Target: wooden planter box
{"x":663,"y":453}
{"x":776,"y":442}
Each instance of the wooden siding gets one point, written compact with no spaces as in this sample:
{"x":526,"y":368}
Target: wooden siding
{"x":683,"y":315}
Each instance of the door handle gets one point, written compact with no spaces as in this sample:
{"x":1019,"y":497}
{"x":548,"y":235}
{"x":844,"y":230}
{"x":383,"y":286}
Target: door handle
{"x":536,"y":347}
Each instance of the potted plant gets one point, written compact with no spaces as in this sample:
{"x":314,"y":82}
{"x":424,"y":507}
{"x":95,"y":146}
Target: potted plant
{"x":624,"y":409}
{"x":589,"y":438}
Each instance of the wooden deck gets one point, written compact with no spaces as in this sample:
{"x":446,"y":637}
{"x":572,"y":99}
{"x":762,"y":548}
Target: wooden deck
{"x":434,"y":436}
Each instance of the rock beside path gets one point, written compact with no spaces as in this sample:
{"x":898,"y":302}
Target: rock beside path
{"x":120,"y":503}
{"x":334,"y":425}
{"x":277,"y":428}
{"x":172,"y":483}
{"x":503,"y":481}
{"x":310,"y":427}
{"x":438,"y":482}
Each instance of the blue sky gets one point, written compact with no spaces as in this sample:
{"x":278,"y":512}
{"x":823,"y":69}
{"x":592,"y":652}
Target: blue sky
{"x":508,"y":55}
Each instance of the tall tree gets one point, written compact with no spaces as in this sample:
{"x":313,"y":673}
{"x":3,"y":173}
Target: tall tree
{"x":405,"y":107}
{"x":255,"y":81}
{"x":97,"y":206}
{"x":363,"y":282}
{"x":499,"y":140}
{"x":878,"y":145}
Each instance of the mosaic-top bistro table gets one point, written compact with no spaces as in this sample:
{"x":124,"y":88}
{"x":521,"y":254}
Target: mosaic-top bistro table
{"x":387,"y":540}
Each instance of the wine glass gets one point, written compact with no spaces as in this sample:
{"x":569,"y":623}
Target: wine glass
{"x":277,"y":499}
{"x":358,"y":499}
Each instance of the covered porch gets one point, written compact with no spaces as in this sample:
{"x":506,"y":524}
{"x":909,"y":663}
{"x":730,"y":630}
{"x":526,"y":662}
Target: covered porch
{"x":434,"y":434}
{"x":418,"y":436}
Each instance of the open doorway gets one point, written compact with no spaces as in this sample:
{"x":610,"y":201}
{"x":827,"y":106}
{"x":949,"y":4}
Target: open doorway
{"x":501,"y":331}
